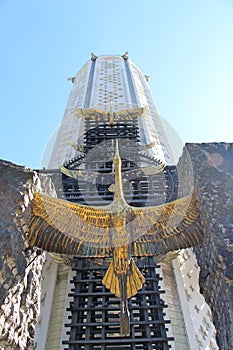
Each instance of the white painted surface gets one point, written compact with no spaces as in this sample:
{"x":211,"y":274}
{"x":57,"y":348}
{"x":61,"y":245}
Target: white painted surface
{"x":197,"y":315}
{"x":66,"y":314}
{"x":110,"y":82}
{"x":47,"y":292}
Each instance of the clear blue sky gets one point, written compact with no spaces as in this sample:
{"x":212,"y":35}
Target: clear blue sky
{"x":186,"y":45}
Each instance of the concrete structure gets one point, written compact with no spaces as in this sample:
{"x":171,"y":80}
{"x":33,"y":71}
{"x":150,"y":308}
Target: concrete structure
{"x":99,"y":81}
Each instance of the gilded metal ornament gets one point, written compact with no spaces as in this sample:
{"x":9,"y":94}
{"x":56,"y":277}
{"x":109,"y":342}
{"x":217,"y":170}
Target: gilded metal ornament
{"x":117,"y":230}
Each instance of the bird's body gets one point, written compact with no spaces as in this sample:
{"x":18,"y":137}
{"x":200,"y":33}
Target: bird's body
{"x":124,"y":279}
{"x":68,"y":228}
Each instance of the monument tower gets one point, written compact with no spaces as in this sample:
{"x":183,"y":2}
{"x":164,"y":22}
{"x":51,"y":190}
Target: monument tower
{"x":105,"y":79}
{"x":105,"y":92}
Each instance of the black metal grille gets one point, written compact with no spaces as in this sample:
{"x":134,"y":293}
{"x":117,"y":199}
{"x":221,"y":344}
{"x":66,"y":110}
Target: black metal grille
{"x":97,"y":133}
{"x":145,"y":190}
{"x":95,"y":311}
{"x":149,"y":190}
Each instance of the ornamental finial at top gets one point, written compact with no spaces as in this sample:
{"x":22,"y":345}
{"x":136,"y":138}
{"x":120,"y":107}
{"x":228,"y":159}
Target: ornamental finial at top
{"x":126,"y":55}
{"x":148,"y":77}
{"x":93,"y":56}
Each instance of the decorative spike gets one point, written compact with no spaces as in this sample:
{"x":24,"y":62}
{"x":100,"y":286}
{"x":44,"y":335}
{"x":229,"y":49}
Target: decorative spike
{"x":111,"y":115}
{"x":93,"y":56}
{"x":125,"y":55}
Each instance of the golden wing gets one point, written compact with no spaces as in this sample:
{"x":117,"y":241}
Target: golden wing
{"x":152,"y":170}
{"x":182,"y":229}
{"x":68,"y":228}
{"x":143,"y":171}
{"x":129,"y":113}
{"x":75,"y":174}
{"x":92,"y":113}
{"x":93,"y":176}
{"x":151,"y":222}
{"x":108,"y":178}
{"x":63,"y":227}
{"x":80,"y":148}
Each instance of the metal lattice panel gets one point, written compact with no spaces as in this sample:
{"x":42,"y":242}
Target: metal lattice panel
{"x":95,"y":311}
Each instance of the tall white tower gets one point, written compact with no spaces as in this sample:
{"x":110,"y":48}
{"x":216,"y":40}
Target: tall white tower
{"x":101,"y":80}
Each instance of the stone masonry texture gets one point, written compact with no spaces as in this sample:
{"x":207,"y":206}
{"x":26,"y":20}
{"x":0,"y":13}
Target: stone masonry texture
{"x":213,"y":176}
{"x":20,"y":264}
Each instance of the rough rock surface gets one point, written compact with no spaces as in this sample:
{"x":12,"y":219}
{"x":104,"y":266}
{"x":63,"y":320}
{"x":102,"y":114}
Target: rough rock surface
{"x":213,"y":175}
{"x":20,"y":264}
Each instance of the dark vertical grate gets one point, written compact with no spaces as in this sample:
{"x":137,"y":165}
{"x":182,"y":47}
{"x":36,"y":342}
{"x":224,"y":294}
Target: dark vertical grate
{"x":94,"y":322}
{"x":95,"y":311}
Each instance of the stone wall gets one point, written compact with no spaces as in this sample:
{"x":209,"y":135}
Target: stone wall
{"x":21,"y":275}
{"x":20,"y":285}
{"x":213,"y":175}
{"x":20,"y":265}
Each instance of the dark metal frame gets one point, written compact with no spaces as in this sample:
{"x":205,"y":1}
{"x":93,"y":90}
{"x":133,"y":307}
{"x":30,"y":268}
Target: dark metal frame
{"x":94,"y":321}
{"x":95,"y":311}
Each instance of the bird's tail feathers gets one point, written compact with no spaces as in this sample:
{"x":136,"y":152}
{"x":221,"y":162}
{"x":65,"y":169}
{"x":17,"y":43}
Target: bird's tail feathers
{"x":134,"y":280}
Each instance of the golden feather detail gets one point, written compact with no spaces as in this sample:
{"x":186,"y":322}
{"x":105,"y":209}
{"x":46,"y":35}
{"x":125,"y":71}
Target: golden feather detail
{"x":110,"y":116}
{"x":94,"y":226}
{"x":117,"y":230}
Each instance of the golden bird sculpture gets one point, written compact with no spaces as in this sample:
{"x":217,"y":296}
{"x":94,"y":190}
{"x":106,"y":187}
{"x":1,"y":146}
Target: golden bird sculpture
{"x":110,"y":116}
{"x":82,"y":149}
{"x":96,"y":177}
{"x":79,"y":148}
{"x":118,"y":230}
